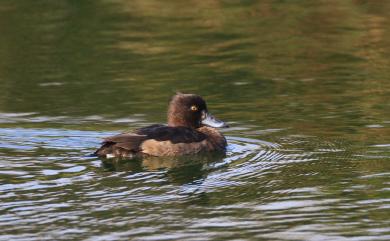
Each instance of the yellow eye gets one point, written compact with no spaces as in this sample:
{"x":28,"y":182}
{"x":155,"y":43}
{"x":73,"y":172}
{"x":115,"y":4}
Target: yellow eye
{"x":194,"y":108}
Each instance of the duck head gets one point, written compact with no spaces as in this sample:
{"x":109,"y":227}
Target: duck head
{"x":190,"y":110}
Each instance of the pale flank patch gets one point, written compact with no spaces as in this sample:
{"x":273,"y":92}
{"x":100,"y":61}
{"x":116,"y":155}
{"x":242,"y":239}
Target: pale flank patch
{"x":167,"y":148}
{"x":110,"y":156}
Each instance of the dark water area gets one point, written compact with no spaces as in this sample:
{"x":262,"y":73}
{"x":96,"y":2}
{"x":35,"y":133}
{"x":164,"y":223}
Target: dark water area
{"x":304,"y":86}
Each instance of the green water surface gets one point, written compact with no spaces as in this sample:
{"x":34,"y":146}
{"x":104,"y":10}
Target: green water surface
{"x":304,"y":86}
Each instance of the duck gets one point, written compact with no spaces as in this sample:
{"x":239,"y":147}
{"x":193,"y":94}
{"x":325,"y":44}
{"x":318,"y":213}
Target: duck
{"x":190,"y":129}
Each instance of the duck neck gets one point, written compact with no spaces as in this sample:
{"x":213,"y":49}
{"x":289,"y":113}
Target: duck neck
{"x":176,"y":121}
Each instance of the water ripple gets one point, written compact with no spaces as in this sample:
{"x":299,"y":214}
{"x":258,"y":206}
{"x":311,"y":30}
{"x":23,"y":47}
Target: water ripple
{"x":49,"y":179}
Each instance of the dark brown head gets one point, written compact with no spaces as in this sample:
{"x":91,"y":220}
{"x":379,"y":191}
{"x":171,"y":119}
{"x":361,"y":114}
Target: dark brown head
{"x":190,"y":110}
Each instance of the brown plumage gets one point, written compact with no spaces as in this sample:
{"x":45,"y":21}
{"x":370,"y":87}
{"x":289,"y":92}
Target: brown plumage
{"x":186,"y":133}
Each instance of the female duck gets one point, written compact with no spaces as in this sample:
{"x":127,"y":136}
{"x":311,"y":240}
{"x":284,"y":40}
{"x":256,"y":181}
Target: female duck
{"x":189,"y":131}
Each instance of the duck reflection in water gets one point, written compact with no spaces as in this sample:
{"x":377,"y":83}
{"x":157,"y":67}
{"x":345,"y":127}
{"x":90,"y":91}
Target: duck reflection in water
{"x":178,"y":170}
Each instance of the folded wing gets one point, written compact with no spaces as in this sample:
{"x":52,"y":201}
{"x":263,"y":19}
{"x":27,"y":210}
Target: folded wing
{"x":128,"y":144}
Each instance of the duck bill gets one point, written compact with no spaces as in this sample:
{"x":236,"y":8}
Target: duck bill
{"x":209,"y":120}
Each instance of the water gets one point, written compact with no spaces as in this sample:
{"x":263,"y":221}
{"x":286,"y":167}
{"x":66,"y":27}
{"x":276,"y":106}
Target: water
{"x":303,"y":84}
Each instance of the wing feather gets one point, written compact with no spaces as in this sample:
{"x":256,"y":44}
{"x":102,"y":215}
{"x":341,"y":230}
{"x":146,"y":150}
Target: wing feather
{"x":172,"y":134}
{"x":126,"y":143}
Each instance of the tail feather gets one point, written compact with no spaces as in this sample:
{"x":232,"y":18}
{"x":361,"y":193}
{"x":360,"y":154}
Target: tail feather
{"x":122,"y":145}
